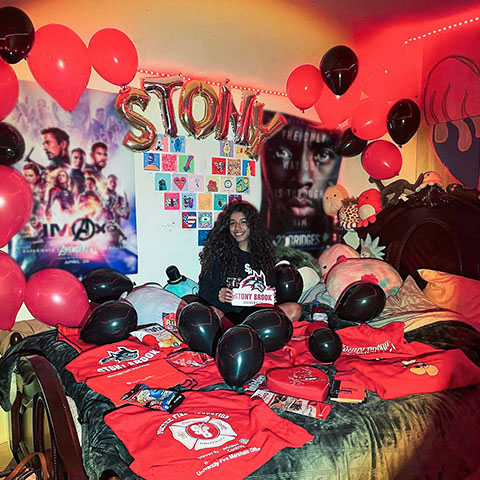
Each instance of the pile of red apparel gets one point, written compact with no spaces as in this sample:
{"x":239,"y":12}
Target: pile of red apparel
{"x":114,"y":369}
{"x":383,"y":361}
{"x":211,"y":435}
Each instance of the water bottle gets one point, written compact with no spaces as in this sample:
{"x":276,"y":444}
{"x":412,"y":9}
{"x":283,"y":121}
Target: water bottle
{"x":179,"y":284}
{"x":319,"y":314}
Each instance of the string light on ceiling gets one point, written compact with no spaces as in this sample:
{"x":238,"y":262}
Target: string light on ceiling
{"x":284,"y":94}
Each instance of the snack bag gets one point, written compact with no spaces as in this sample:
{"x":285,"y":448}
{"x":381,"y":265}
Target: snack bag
{"x":158,"y":337}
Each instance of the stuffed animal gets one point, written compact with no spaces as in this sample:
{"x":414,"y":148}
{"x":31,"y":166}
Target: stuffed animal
{"x":348,"y":215}
{"x":369,"y":204}
{"x":332,"y":199}
{"x":396,"y":191}
{"x":333,"y":255}
{"x":369,"y":248}
{"x":342,"y":266}
{"x":430,"y":178}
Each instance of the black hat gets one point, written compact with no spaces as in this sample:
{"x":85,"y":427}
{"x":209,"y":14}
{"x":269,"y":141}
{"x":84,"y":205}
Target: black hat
{"x":174,"y":275}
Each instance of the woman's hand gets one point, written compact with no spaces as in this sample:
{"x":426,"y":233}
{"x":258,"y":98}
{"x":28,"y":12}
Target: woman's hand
{"x":225,"y":295}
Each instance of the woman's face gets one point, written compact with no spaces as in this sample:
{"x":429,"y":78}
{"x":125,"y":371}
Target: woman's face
{"x":239,"y":229}
{"x":62,"y":178}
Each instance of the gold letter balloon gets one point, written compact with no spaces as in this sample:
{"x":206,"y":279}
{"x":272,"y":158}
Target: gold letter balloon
{"x":247,"y":125}
{"x":124,"y":103}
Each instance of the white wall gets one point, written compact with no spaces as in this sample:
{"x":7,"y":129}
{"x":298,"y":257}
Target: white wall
{"x":161,"y":239}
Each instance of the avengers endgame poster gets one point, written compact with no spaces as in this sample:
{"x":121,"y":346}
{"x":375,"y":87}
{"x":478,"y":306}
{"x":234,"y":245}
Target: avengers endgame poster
{"x":82,"y":179}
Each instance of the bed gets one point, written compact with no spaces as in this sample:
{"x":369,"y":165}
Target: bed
{"x":428,"y":435}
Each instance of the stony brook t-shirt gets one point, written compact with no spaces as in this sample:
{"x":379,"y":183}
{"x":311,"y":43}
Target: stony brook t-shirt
{"x":211,"y":435}
{"x":114,"y":369}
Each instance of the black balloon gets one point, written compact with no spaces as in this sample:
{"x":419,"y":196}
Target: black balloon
{"x":109,"y":322}
{"x":104,"y":284}
{"x":240,"y":355}
{"x":339,"y":67}
{"x":325,"y":345}
{"x":273,"y":327}
{"x":16,"y":34}
{"x":349,"y":145}
{"x":12,"y":145}
{"x":360,"y":302}
{"x":200,"y":328}
{"x":403,"y":121}
{"x":289,"y":284}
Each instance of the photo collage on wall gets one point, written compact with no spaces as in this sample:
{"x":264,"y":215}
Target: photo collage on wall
{"x":199,"y":194}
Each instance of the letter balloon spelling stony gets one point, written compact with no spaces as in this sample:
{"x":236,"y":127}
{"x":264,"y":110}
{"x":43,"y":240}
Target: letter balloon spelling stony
{"x":247,"y":125}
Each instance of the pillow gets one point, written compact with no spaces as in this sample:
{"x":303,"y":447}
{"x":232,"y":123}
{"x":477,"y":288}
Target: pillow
{"x":310,"y":278}
{"x":457,"y":293}
{"x":413,"y":308}
{"x":408,"y":299}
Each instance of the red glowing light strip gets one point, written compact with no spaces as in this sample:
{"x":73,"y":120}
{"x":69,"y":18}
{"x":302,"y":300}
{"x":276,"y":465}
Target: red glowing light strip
{"x":284,"y":94}
{"x":215,"y":83}
{"x":443,"y":29}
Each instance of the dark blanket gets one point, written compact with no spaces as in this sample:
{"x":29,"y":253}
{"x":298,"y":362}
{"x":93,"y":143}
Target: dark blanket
{"x":417,"y":436}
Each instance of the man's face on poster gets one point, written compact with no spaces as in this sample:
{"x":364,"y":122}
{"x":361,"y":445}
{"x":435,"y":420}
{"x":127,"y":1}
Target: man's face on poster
{"x":100,"y":157}
{"x":297,"y":168}
{"x":52,"y":148}
{"x":90,"y":184}
{"x":77,"y":160}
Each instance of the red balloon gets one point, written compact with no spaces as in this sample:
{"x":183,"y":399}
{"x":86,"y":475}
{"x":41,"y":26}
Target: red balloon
{"x":334,"y":110}
{"x":16,"y":203}
{"x":8,"y":89}
{"x":12,"y":290}
{"x":304,"y":86}
{"x":113,"y":56}
{"x":369,"y":120}
{"x":382,"y":160}
{"x":60,"y":64}
{"x":54,"y":296}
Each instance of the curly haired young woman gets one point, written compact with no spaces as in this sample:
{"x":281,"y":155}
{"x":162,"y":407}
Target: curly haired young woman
{"x":238,"y":243}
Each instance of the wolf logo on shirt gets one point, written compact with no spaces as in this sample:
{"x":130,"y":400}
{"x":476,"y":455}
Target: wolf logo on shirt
{"x":122,"y":354}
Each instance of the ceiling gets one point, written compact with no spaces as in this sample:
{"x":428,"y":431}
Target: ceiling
{"x":252,"y":42}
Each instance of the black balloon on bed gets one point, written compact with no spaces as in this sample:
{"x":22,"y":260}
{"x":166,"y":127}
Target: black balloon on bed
{"x":104,"y":284}
{"x":109,"y":322}
{"x":325,"y":345}
{"x":200,"y":327}
{"x":240,"y":355}
{"x":289,"y":284}
{"x":273,"y":327}
{"x":360,"y":302}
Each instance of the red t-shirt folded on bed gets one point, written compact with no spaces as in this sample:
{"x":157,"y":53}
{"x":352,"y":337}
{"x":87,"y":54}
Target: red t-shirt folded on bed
{"x":211,"y":435}
{"x":368,"y":342}
{"x":114,"y":369}
{"x":427,"y":370}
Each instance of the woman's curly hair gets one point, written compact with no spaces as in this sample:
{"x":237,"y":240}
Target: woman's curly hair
{"x":220,"y":246}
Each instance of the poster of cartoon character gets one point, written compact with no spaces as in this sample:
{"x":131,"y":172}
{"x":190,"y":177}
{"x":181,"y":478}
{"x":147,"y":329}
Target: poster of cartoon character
{"x":82,"y":179}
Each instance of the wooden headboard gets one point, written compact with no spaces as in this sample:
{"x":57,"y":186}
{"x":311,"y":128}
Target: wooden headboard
{"x":433,"y":229}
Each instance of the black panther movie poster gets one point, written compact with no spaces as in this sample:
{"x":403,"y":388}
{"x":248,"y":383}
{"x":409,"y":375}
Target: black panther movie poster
{"x":298,"y":164}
